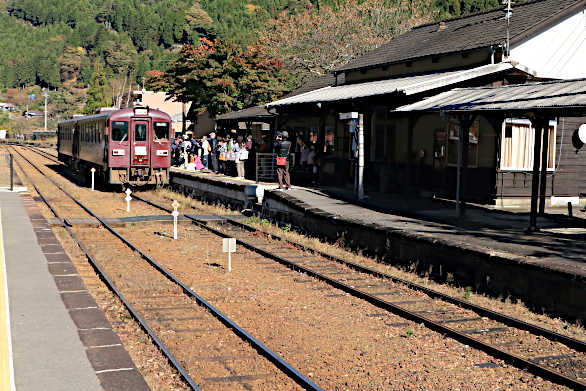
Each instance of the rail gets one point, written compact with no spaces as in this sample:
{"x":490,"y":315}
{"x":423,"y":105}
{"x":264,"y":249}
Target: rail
{"x":299,"y":378}
{"x":514,"y":359}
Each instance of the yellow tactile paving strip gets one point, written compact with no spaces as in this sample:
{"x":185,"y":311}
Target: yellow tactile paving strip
{"x":6,"y":368}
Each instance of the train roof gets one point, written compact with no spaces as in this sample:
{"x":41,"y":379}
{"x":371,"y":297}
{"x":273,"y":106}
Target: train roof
{"x":127,"y":112}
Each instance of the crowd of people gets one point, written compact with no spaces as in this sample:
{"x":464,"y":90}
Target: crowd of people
{"x":220,"y":155}
{"x":235,"y":156}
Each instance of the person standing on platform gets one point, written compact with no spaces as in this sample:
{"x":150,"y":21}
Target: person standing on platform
{"x":206,"y":149}
{"x":186,"y":149}
{"x":214,"y":152}
{"x":282,"y":148}
{"x":241,"y":155}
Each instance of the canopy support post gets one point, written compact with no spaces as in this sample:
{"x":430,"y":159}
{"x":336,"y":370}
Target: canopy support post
{"x":544,"y":156}
{"x":409,"y":170}
{"x":537,"y":125}
{"x":463,"y":142}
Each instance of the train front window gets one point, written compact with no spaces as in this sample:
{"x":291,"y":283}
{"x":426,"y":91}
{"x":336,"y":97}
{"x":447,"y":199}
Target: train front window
{"x":161,"y":131}
{"x":140,"y":132}
{"x":119,"y":131}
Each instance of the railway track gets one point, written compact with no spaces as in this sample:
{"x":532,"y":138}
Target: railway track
{"x":558,"y":358}
{"x":167,"y":309}
{"x":43,"y":152}
{"x":553,"y":356}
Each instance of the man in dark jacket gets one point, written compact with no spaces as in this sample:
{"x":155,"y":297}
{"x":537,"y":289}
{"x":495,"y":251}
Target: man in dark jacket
{"x":214,"y":151}
{"x":282,"y":147}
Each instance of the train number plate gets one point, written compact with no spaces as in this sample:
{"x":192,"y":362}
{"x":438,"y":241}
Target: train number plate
{"x":140,"y":151}
{"x":118,"y":152}
{"x":162,"y":152}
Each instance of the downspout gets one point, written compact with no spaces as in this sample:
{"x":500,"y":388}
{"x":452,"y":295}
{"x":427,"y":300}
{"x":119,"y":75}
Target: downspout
{"x":492,"y":54}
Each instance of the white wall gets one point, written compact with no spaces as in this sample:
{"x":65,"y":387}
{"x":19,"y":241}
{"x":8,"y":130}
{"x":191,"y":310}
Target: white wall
{"x":558,"y":52}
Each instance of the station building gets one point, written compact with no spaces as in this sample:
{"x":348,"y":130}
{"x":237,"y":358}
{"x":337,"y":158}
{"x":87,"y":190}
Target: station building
{"x":418,"y":151}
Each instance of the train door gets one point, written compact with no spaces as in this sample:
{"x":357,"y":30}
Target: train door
{"x":75,"y":141}
{"x":141,"y":133}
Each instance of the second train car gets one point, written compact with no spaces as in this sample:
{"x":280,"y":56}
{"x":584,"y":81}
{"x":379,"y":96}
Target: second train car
{"x":130,"y":146}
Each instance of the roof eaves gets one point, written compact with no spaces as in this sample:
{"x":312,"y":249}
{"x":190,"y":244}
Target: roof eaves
{"x":416,"y":58}
{"x":283,"y":101}
{"x":532,"y":30}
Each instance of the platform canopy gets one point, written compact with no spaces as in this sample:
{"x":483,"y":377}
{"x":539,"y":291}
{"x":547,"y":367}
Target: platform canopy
{"x":552,"y":98}
{"x":539,"y":101}
{"x":408,"y":85}
{"x":255,"y":113}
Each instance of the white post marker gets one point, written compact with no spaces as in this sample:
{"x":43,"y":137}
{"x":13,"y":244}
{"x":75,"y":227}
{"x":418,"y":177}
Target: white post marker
{"x":93,"y":170}
{"x":229,"y":246}
{"x":175,"y":214}
{"x":128,"y":198}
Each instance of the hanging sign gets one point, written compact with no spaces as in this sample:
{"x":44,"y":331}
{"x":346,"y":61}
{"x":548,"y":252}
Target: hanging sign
{"x":350,"y":115}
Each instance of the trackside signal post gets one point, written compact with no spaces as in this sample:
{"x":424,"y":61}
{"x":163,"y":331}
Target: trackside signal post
{"x":128,"y":198}
{"x":93,"y":170}
{"x":229,"y":246}
{"x":175,"y":214}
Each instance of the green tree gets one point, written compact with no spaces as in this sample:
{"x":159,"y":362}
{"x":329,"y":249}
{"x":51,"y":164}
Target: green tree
{"x":221,"y":77}
{"x":47,"y":70}
{"x":448,"y":8}
{"x":97,"y":94}
{"x":85,"y":71}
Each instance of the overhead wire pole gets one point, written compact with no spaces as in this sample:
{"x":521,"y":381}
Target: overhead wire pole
{"x":46,"y":95}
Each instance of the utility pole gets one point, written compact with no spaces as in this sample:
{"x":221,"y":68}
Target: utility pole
{"x":508,"y":15}
{"x":46,"y":95}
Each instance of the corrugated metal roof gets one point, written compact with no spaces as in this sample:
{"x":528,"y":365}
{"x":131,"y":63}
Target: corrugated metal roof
{"x":519,"y":97}
{"x":467,"y":32}
{"x":406,"y":85}
{"x":251,"y":112}
{"x":261,"y":111}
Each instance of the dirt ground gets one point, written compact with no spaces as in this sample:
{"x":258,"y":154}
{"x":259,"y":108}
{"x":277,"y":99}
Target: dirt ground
{"x":340,"y":342}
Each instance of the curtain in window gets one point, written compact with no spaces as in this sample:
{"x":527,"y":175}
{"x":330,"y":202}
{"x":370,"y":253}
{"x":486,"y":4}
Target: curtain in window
{"x":518,"y":144}
{"x":521,"y":142}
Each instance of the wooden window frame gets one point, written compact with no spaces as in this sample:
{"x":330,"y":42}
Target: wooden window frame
{"x":526,"y":121}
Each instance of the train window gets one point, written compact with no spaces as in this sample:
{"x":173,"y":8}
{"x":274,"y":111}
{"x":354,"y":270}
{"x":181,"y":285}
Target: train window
{"x":119,"y":130}
{"x":140,"y":132}
{"x":161,"y":131}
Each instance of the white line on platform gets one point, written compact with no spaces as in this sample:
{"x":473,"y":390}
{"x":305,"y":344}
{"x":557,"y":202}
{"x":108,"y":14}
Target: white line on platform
{"x":73,"y":291}
{"x":81,"y":308}
{"x":103,"y":346}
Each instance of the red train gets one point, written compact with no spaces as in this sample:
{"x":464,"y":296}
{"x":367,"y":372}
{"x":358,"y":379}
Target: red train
{"x":127,"y":146}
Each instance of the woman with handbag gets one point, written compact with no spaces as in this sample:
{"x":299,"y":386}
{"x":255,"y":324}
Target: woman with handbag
{"x":222,"y":152}
{"x":282,"y":147}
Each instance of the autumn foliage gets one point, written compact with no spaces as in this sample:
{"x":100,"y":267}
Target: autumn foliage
{"x":315,"y":41}
{"x":221,"y":77}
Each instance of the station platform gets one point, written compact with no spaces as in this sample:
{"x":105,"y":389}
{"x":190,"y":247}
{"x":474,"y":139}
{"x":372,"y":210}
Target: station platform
{"x":486,"y":249}
{"x":54,"y":335}
{"x":243,"y":193}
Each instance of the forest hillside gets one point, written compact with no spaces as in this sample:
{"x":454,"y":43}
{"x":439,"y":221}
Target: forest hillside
{"x":60,"y":45}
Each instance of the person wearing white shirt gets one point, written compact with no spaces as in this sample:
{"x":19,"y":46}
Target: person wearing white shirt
{"x":205,"y":146}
